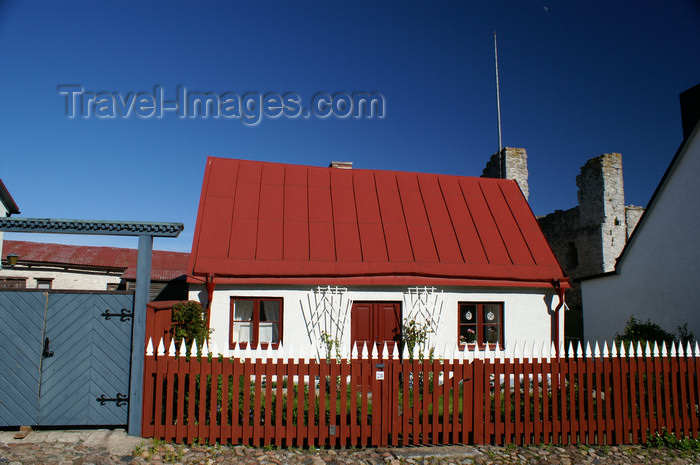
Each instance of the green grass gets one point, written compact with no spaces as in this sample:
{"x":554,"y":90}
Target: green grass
{"x":668,"y":440}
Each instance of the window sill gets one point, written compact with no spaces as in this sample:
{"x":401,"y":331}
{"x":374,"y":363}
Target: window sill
{"x":261,"y":346}
{"x":473,"y":345}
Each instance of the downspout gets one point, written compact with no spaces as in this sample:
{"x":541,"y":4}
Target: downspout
{"x":210,"y":296}
{"x":555,"y":314}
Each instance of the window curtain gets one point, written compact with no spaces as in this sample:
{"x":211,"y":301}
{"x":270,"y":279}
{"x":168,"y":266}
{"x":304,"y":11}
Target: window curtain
{"x":243,"y":324}
{"x":492,"y":323}
{"x":269,"y":321}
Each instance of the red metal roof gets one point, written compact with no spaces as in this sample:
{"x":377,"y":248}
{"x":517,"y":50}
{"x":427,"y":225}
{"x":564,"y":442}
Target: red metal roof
{"x":269,"y":222}
{"x":165,"y":265}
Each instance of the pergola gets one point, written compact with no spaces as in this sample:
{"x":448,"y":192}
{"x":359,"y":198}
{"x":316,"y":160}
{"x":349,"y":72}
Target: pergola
{"x":145,"y":232}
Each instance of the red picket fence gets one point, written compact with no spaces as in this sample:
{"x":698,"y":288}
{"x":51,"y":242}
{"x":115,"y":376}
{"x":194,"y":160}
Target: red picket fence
{"x":385,"y":401}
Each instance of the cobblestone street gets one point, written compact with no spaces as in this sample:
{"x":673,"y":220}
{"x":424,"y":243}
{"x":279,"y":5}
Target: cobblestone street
{"x":103,"y":447}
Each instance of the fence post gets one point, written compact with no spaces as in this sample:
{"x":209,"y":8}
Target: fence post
{"x":519,"y":417}
{"x":618,"y":398}
{"x":644,"y":392}
{"x":556,"y":392}
{"x":138,"y":335}
{"x":161,"y":370}
{"x":691,"y":370}
{"x":649,"y":388}
{"x":478,"y":400}
{"x":394,"y":424}
{"x":572,"y":424}
{"x":675,"y":394}
{"x":148,"y":388}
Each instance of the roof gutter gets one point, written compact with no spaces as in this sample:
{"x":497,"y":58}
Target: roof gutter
{"x":374,"y":280}
{"x":210,"y":296}
{"x":560,"y":290}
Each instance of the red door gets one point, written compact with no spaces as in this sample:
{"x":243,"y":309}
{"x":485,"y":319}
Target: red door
{"x":376,"y":323}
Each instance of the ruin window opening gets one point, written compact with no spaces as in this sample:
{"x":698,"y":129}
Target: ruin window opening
{"x":571,"y":256}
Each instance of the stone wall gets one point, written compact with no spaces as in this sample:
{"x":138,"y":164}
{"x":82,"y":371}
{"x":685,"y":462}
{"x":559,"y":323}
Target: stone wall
{"x":632,"y":216}
{"x":588,"y":238}
{"x":601,"y":199}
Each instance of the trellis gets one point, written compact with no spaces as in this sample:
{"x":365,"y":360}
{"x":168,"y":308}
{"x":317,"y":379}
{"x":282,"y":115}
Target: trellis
{"x":424,"y":306}
{"x":326,"y":312}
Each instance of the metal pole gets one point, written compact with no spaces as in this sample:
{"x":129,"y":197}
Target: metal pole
{"x":498,"y":103}
{"x":138,"y":338}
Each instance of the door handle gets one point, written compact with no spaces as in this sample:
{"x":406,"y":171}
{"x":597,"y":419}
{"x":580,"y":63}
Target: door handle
{"x":47,"y":353}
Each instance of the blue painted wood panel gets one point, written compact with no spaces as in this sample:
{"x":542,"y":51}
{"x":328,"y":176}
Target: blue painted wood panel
{"x":91,"y":358}
{"x":21,"y":326}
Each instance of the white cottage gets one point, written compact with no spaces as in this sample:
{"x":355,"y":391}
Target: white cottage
{"x":301,"y":257}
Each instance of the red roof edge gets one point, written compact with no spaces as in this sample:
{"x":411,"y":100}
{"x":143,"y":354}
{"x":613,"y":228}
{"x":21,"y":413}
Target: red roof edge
{"x":385,"y":281}
{"x":200,"y":213}
{"x":8,"y":200}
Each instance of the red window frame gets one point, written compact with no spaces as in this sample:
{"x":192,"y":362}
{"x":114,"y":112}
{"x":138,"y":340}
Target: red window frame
{"x":255,"y":343}
{"x":479,"y":324}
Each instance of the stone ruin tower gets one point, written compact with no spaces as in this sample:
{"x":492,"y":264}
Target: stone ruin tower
{"x":588,"y":238}
{"x":602,"y":225}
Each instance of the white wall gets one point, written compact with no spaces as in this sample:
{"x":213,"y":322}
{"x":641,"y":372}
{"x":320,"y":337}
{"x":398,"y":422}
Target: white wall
{"x":62,"y":279}
{"x":659,"y":274}
{"x":526,"y":315}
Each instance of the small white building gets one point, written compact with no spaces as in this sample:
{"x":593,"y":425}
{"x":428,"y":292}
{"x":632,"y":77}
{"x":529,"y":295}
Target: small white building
{"x":657,"y":275}
{"x":312,"y":259}
{"x":41,"y":265}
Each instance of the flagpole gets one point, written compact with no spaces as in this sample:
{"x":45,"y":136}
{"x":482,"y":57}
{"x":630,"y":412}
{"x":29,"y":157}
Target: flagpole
{"x":498,"y":103}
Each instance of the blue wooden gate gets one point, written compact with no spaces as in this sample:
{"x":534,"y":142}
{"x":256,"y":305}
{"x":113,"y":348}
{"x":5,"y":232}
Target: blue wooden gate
{"x":64,"y":358}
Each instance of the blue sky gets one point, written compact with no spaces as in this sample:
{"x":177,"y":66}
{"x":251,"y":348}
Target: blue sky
{"x":578,"y":78}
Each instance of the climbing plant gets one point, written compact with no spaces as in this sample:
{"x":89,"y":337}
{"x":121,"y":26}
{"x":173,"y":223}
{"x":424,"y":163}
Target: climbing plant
{"x":415,"y":335}
{"x":332,"y":346}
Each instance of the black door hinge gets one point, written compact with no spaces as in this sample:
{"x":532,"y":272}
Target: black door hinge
{"x":121,"y":399}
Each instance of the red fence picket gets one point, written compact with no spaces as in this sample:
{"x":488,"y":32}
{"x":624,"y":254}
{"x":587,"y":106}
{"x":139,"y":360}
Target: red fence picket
{"x":487,"y":399}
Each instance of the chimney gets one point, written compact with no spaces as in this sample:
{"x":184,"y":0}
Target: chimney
{"x":513,"y":165}
{"x":343,"y":165}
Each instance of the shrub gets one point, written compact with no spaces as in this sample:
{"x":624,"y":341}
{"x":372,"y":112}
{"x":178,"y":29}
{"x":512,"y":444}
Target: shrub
{"x":189,"y":323}
{"x":637,"y":331}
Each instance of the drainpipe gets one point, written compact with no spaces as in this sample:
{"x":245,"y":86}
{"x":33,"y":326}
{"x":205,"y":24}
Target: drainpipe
{"x":555,"y":314}
{"x":210,"y":296}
